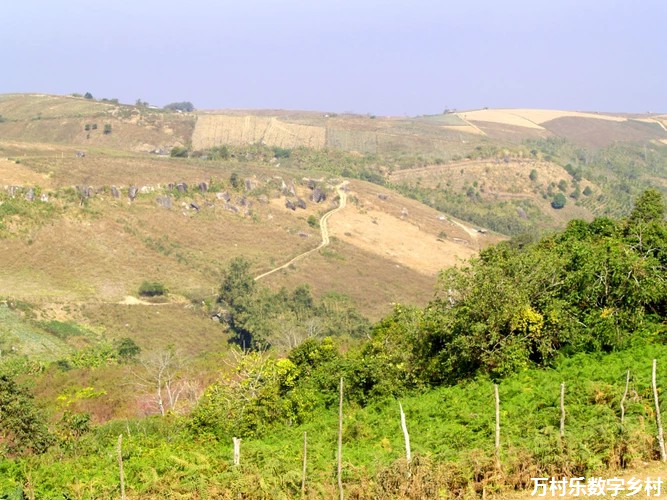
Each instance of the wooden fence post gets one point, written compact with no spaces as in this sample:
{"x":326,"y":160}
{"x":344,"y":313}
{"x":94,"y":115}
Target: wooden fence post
{"x":562,"y":410}
{"x":495,"y":390}
{"x":625,"y":395}
{"x":237,"y":451}
{"x":303,"y":473}
{"x":340,"y":440}
{"x":661,"y":438}
{"x":120,"y":466}
{"x":406,"y":436}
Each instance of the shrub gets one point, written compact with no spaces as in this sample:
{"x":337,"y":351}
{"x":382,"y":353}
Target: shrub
{"x":152,"y":289}
{"x":533,"y":175}
{"x":558,"y":201}
{"x":281,"y":152}
{"x":313,"y":222}
{"x":179,"y":152}
{"x":107,"y":128}
{"x":127,"y":349}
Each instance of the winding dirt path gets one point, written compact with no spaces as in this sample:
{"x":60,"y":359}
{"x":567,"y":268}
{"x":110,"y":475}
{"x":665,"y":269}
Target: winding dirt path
{"x":323,"y":228}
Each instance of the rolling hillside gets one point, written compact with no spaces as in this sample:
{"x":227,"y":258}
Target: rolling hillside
{"x":444,"y":186}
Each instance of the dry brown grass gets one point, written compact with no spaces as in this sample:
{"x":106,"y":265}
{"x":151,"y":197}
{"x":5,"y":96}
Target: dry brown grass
{"x":213,"y":130}
{"x":404,"y":231}
{"x":104,"y":250}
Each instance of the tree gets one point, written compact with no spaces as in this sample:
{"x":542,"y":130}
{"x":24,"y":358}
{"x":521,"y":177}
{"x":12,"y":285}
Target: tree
{"x":162,"y":372}
{"x":87,"y":95}
{"x":649,"y":207}
{"x":558,"y":201}
{"x":259,"y":393}
{"x":184,"y":106}
{"x":22,"y":427}
{"x":107,"y":129}
{"x":127,"y":349}
{"x":237,"y":292}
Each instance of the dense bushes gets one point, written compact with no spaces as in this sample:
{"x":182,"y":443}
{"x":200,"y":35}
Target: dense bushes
{"x":259,"y":318}
{"x":597,"y":286}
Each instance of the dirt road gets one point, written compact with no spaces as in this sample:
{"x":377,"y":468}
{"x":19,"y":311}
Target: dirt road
{"x":323,"y":228}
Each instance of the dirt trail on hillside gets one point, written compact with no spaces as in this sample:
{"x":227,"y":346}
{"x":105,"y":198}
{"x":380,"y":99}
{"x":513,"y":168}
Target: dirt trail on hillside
{"x":323,"y":228}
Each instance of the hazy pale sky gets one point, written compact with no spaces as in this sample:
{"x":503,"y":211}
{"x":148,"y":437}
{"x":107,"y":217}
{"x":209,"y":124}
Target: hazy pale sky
{"x":366,"y":56}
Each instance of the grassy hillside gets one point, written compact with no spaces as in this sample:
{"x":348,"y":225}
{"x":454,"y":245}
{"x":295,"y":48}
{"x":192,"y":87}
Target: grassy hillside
{"x":451,"y":431}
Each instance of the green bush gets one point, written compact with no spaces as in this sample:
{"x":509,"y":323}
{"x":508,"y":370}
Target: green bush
{"x":152,"y":289}
{"x":179,"y":152}
{"x":558,"y":201}
{"x":313,"y":222}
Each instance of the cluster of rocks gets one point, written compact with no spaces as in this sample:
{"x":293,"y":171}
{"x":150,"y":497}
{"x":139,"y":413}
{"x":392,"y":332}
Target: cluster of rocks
{"x":171,"y":191}
{"x":293,"y":205}
{"x":183,"y":188}
{"x":317,"y":195}
{"x":28,"y":193}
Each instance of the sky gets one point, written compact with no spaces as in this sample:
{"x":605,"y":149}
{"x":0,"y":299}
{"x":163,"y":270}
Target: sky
{"x":381,"y":57}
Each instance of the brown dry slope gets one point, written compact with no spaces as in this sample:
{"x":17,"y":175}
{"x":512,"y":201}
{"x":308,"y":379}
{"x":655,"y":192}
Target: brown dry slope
{"x":216,"y":129}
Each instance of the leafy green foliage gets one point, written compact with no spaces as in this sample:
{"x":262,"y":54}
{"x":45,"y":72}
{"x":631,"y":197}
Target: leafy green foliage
{"x":259,"y":318}
{"x":107,"y":129}
{"x":127,"y":349}
{"x":256,"y":396}
{"x":597,"y":286}
{"x":451,"y":430}
{"x":22,"y":428}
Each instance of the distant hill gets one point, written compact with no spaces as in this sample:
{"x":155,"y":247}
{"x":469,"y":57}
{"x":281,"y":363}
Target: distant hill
{"x":63,"y":119}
